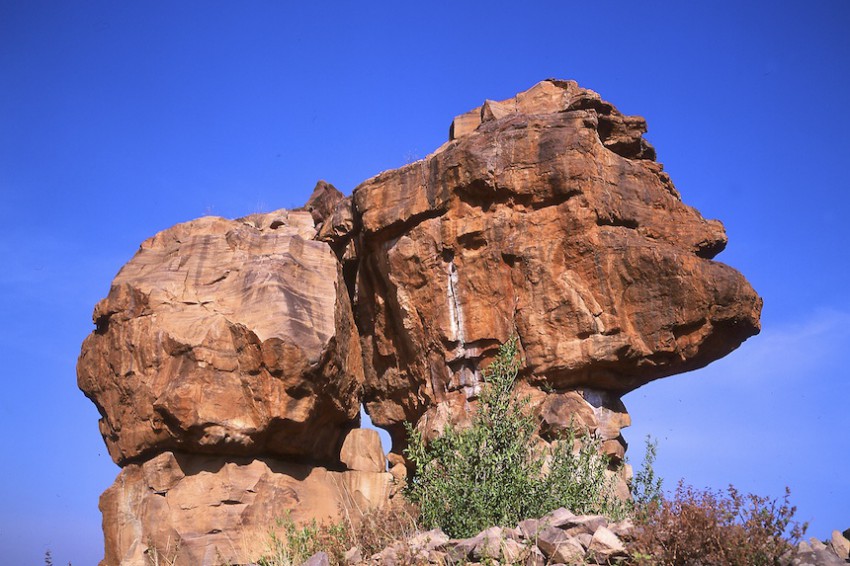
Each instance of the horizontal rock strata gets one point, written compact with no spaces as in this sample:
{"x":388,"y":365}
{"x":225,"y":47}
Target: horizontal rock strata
{"x":209,"y":510}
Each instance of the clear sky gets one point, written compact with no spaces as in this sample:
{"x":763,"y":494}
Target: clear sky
{"x":120,"y":119}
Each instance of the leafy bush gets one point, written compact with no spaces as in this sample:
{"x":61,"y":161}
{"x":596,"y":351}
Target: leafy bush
{"x":715,"y":529}
{"x":491,"y":473}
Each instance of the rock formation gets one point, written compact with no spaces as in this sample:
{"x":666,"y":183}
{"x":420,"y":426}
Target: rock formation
{"x":545,"y":217}
{"x":227,"y":369}
{"x":231,"y":357}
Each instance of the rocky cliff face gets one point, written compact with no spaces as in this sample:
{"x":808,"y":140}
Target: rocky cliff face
{"x":231,"y":358}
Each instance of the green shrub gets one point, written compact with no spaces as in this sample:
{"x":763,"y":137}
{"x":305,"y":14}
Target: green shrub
{"x":646,"y":486}
{"x":491,"y":474}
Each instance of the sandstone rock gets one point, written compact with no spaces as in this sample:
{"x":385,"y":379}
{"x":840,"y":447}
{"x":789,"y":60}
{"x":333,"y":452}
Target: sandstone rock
{"x":318,"y":559}
{"x":550,"y":221}
{"x":353,"y":555}
{"x":584,"y":540}
{"x":228,"y":369}
{"x":584,"y":524}
{"x":226,"y":337}
{"x":200,"y":507}
{"x":535,"y":557}
{"x":623,"y":529}
{"x":429,"y":540}
{"x":840,"y":545}
{"x":559,"y":546}
{"x":605,"y":545}
{"x":322,"y":202}
{"x":465,"y":124}
{"x":529,"y":528}
{"x":808,"y":555}
{"x":488,"y":544}
{"x":558,"y":518}
{"x":512,"y":551}
{"x":362,"y":451}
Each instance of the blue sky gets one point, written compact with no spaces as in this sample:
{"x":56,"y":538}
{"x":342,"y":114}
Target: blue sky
{"x":118,"y":120}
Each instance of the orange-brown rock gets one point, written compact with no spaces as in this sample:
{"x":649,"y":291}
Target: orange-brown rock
{"x":544,"y":216}
{"x":229,"y":371}
{"x":207,"y":510}
{"x":362,"y":451}
{"x":226,"y":337}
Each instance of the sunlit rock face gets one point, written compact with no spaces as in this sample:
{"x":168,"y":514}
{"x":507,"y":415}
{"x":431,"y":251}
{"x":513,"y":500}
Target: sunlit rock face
{"x":226,"y":337}
{"x":545,"y":216}
{"x":231,"y":357}
{"x":208,"y":510}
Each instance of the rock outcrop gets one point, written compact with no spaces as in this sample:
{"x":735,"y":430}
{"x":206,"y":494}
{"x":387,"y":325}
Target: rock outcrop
{"x":231,"y":357}
{"x":546,"y":217}
{"x":226,"y":337}
{"x":199,"y":509}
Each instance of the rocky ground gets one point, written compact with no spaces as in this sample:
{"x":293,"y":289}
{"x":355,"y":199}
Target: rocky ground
{"x":557,"y":538}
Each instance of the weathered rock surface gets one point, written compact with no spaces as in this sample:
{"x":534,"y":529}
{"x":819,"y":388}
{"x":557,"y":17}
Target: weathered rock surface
{"x":209,"y":510}
{"x":226,"y":337}
{"x":840,"y":545}
{"x":546,"y":217}
{"x":362,"y":451}
{"x":813,"y":553}
{"x":229,"y":366}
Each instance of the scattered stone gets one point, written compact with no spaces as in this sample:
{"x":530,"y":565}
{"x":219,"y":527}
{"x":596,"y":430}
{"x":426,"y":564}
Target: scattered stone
{"x":353,"y":555}
{"x":512,"y":551}
{"x":623,"y":529}
{"x":584,"y":524}
{"x":604,"y":545}
{"x":318,"y":559}
{"x":488,"y":544}
{"x":558,"y":518}
{"x":558,"y":546}
{"x":429,"y":540}
{"x":529,"y":528}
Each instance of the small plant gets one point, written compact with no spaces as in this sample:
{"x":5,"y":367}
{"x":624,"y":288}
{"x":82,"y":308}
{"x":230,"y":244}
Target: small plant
{"x":298,"y":543}
{"x":167,"y":557}
{"x":372,"y":532}
{"x":646,"y":486}
{"x":710,"y":527}
{"x":490,"y":473}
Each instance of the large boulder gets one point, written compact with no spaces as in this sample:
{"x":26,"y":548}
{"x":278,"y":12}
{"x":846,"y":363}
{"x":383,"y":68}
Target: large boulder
{"x":545,"y":216}
{"x":230,"y":358}
{"x":226,"y":337}
{"x":203,"y":510}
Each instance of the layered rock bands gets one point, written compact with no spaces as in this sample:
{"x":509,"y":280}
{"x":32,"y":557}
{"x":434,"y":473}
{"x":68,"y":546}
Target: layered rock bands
{"x":231,"y":357}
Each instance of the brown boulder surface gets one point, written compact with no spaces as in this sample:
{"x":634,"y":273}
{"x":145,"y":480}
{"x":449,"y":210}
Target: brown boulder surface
{"x":547,"y":217}
{"x":226,"y":337}
{"x":207,"y":510}
{"x":229,"y":366}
